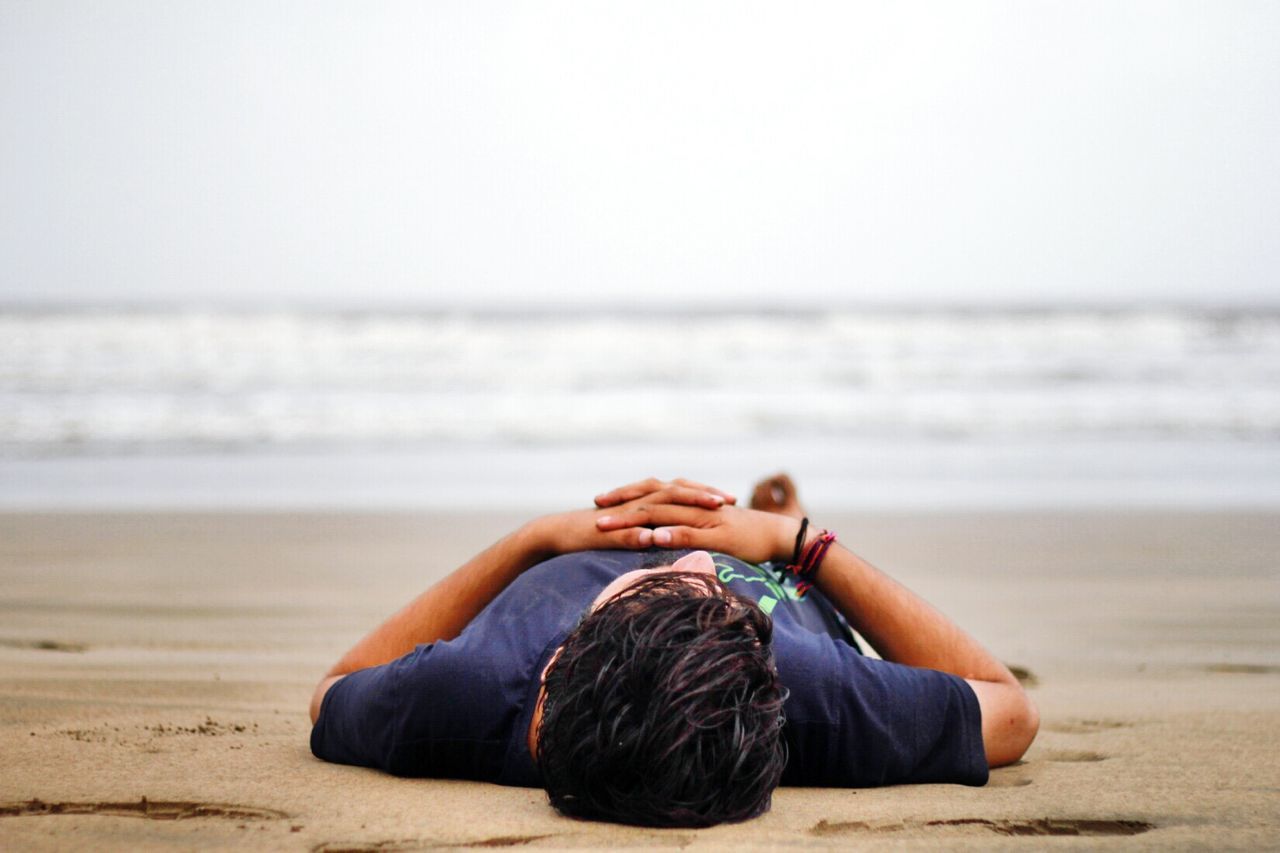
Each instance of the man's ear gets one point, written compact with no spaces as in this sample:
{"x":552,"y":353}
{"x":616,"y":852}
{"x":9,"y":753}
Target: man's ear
{"x":536,"y":722}
{"x":554,"y":657}
{"x":697,"y":561}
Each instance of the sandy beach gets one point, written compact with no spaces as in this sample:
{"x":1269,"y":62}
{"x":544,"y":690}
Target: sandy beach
{"x":155,"y":670}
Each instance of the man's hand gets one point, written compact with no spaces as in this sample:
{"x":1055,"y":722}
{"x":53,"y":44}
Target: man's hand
{"x":746,"y":533}
{"x":686,"y":491}
{"x":576,"y":530}
{"x":581,"y":530}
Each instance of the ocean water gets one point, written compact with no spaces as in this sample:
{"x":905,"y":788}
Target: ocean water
{"x":869,"y":408}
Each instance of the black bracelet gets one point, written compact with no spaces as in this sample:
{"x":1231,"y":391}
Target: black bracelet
{"x":798,"y":551}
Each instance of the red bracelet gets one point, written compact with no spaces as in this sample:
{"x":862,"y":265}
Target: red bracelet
{"x":807,"y":568}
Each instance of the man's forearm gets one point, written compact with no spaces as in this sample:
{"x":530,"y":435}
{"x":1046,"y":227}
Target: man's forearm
{"x":901,"y":625}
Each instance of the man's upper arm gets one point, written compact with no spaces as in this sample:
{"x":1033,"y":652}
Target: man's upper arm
{"x":362,"y":717}
{"x":1010,"y":720}
{"x":854,"y":721}
{"x":428,"y":713}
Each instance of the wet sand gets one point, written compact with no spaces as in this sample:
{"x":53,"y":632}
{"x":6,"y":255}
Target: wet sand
{"x":155,"y":670}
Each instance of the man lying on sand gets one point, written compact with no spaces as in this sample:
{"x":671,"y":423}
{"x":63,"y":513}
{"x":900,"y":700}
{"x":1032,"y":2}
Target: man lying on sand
{"x":593,"y":653}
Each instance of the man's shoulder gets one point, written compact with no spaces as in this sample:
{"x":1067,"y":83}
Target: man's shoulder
{"x":565,"y":584}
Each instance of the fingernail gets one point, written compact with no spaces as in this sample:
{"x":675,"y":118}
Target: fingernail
{"x":603,"y":520}
{"x":646,"y":536}
{"x":661,"y":537}
{"x":717,"y":499}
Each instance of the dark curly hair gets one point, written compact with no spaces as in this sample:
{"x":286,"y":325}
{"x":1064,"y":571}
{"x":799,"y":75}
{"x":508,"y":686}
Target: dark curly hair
{"x":664,"y":708}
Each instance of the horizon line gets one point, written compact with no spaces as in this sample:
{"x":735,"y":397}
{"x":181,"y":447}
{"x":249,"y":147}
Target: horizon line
{"x":583,"y":307}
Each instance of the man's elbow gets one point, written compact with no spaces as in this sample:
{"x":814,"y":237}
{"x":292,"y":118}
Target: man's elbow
{"x":1010,"y":720}
{"x":1018,"y":732}
{"x":317,"y":698}
{"x":1029,"y":726}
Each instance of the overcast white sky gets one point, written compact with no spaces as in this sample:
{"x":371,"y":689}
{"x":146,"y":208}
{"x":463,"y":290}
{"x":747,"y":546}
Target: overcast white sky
{"x":383,"y":153}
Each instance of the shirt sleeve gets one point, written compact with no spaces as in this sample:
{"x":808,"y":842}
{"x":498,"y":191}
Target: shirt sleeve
{"x":415,"y":716}
{"x":853,"y":721}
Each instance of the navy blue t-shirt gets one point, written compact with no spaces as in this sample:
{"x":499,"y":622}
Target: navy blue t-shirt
{"x":461,"y":708}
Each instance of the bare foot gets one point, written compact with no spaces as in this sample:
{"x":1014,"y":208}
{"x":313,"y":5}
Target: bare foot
{"x":777,"y":494}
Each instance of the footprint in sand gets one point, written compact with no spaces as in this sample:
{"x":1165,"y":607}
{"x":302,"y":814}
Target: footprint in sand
{"x":1243,"y":668}
{"x":1074,"y":755}
{"x":405,"y":844}
{"x":1025,"y":677}
{"x":45,"y":645}
{"x":1008,"y":779}
{"x":151,"y":809}
{"x":1034,"y":826}
{"x":1082,"y":727}
{"x":1052,"y":826}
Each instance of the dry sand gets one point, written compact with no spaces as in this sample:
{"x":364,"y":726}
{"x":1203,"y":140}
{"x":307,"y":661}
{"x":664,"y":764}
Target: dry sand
{"x":155,"y":671}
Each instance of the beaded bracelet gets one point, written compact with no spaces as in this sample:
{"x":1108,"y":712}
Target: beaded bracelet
{"x":805,"y":563}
